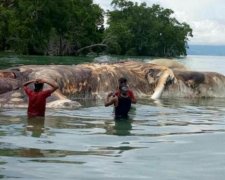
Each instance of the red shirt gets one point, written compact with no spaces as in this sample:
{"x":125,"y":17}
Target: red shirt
{"x":129,"y":93}
{"x":37,"y":102}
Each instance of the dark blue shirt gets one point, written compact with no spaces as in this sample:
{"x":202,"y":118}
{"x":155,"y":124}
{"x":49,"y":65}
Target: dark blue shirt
{"x":124,"y":104}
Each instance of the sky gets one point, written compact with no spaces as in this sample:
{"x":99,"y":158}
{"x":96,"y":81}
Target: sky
{"x":206,"y":17}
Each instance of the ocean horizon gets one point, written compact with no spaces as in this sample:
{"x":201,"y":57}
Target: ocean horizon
{"x":208,"y":50}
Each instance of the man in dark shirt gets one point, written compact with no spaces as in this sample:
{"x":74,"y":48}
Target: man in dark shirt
{"x":122,"y":102}
{"x":123,"y":82}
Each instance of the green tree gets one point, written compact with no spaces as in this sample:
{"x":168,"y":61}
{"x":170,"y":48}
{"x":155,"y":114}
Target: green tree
{"x":6,"y":10}
{"x":140,"y":30}
{"x":86,"y":24}
{"x":30,"y":27}
{"x":75,"y":25}
{"x":49,"y":26}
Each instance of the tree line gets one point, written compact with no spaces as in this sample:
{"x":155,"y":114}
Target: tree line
{"x":77,"y":27}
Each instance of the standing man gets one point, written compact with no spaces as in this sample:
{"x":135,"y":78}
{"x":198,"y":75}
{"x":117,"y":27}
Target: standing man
{"x":37,"y":97}
{"x":122,"y":102}
{"x":123,"y":82}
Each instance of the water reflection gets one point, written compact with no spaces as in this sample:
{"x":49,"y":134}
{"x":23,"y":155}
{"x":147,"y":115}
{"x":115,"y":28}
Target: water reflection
{"x":35,"y":126}
{"x":122,"y":127}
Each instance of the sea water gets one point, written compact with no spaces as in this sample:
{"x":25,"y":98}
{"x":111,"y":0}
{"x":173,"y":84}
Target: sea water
{"x":169,"y":139}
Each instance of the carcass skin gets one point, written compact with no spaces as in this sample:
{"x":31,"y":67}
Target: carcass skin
{"x":95,"y":80}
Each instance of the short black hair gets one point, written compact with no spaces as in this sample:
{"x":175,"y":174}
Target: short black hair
{"x":38,"y":86}
{"x":122,"y":80}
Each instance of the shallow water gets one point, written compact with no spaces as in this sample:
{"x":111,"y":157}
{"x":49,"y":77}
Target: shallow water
{"x":170,"y":139}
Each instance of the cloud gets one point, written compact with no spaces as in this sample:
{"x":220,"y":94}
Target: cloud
{"x":208,"y":32}
{"x":206,"y":17}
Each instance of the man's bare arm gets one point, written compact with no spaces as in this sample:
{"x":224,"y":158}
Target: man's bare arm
{"x":53,"y":85}
{"x":110,"y":100}
{"x":29,"y":82}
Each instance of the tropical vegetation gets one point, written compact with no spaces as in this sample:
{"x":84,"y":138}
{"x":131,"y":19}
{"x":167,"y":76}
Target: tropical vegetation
{"x":74,"y":27}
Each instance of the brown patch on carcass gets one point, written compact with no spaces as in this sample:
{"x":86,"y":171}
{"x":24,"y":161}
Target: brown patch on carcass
{"x":7,"y":74}
{"x":191,"y":78}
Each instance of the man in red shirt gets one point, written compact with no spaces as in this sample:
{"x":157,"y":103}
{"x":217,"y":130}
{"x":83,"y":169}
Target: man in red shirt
{"x":37,"y":97}
{"x":123,"y":82}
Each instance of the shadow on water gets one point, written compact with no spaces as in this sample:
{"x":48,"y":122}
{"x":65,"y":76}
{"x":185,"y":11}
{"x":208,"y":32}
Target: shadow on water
{"x":123,"y":127}
{"x":120,"y":127}
{"x":35,"y":126}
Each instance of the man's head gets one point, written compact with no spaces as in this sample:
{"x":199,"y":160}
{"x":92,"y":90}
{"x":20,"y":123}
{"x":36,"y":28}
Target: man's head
{"x":122,"y":80}
{"x":38,"y":86}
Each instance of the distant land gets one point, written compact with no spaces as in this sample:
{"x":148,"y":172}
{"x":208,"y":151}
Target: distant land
{"x":206,"y":50}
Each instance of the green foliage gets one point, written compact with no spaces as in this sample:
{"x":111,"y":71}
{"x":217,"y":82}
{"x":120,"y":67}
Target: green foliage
{"x":71,"y":27}
{"x":6,"y":7}
{"x":140,"y":30}
{"x":49,"y":26}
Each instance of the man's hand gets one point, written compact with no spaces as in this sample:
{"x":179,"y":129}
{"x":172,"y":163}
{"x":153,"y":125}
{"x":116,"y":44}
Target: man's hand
{"x":111,"y":99}
{"x":39,"y":81}
{"x":110,"y":94}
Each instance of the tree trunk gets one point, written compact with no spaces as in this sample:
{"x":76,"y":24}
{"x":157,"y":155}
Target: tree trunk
{"x":91,"y":46}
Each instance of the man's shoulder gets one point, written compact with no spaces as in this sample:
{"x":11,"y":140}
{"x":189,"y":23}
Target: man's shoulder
{"x":46,"y":92}
{"x":27,"y":89}
{"x":130,"y":90}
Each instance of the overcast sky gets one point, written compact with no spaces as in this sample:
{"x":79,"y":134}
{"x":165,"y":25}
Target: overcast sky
{"x":206,"y":17}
